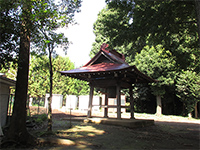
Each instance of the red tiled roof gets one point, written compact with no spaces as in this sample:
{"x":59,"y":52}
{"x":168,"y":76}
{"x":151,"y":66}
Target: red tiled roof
{"x":112,"y":55}
{"x":97,"y":68}
{"x":106,"y":64}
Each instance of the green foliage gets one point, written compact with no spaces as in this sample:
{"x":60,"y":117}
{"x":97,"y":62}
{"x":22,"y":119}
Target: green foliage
{"x":10,"y":71}
{"x":39,"y":78}
{"x":110,"y":27}
{"x":49,"y":16}
{"x":157,"y":63}
{"x":172,"y":24}
{"x":162,"y":33}
{"x":188,"y":89}
{"x":39,"y":119}
{"x":61,"y":83}
{"x":9,"y":44}
{"x":81,"y":87}
{"x":66,"y":85}
{"x":44,"y":15}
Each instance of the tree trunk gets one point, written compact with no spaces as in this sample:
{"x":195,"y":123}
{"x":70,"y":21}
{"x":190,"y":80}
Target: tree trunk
{"x":51,"y":88}
{"x":159,"y":106}
{"x":17,"y":131}
{"x":38,"y":104}
{"x":197,"y":6}
{"x":1,"y":133}
{"x":196,"y":111}
{"x":190,"y":115}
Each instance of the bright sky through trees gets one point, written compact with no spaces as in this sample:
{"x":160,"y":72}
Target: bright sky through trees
{"x":81,"y":35}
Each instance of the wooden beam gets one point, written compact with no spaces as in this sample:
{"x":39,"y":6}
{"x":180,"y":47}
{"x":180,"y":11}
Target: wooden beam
{"x":103,"y":83}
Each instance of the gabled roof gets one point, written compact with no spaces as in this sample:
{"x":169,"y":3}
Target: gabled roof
{"x":9,"y":82}
{"x":104,"y":60}
{"x":108,"y":65}
{"x":107,"y":56}
{"x":100,"y":67}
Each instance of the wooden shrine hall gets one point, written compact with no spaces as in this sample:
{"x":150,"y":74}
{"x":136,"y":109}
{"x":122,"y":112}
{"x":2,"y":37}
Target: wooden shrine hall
{"x":109,"y":72}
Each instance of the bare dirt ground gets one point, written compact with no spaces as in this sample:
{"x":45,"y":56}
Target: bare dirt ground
{"x":169,"y":132}
{"x":93,"y":136}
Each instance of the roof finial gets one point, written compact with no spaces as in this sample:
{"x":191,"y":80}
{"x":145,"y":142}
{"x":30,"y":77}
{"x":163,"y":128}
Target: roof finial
{"x":104,"y":46}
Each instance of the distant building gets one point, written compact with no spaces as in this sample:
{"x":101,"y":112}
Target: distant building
{"x":5,"y":85}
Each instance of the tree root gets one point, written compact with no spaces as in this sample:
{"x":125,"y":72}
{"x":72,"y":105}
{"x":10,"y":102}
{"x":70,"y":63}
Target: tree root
{"x":9,"y":144}
{"x":18,"y":143}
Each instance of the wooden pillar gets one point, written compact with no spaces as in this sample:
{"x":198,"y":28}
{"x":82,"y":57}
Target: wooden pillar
{"x":106,"y":103}
{"x":89,"y":115}
{"x":118,"y":92}
{"x":132,"y":102}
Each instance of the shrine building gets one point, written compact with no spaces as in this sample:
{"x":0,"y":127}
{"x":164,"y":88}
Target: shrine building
{"x":109,"y":72}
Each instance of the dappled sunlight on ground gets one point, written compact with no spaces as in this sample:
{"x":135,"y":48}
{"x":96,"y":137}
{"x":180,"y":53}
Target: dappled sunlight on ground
{"x":168,"y":133}
{"x":80,"y":131}
{"x":86,"y":128}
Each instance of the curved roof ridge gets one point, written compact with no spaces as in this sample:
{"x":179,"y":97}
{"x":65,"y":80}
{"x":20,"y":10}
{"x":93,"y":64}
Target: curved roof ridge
{"x":111,"y":54}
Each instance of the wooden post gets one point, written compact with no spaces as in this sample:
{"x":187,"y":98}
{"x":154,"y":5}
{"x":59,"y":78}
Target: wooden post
{"x":132,"y":102}
{"x":89,"y":115}
{"x":106,"y":103}
{"x":118,"y":101}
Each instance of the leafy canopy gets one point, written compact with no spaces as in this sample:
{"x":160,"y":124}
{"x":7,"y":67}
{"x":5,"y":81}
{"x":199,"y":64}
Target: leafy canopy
{"x":157,"y":63}
{"x":188,"y":89}
{"x":44,"y":15}
{"x":172,"y":24}
{"x":39,"y":78}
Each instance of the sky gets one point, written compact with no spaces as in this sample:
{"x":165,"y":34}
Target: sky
{"x":81,"y":35}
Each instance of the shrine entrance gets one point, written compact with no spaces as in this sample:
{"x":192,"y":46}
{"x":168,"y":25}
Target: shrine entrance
{"x":109,"y":72}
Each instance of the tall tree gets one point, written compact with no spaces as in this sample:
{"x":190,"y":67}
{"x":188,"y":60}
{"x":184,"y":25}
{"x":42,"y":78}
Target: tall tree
{"x":32,"y":16}
{"x":188,"y":89}
{"x":49,"y":40}
{"x":39,"y":76}
{"x":9,"y":44}
{"x":197,"y":5}
{"x":172,"y":24}
{"x":157,"y":63}
{"x":17,"y":130}
{"x":62,"y":85}
{"x":110,"y":27}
